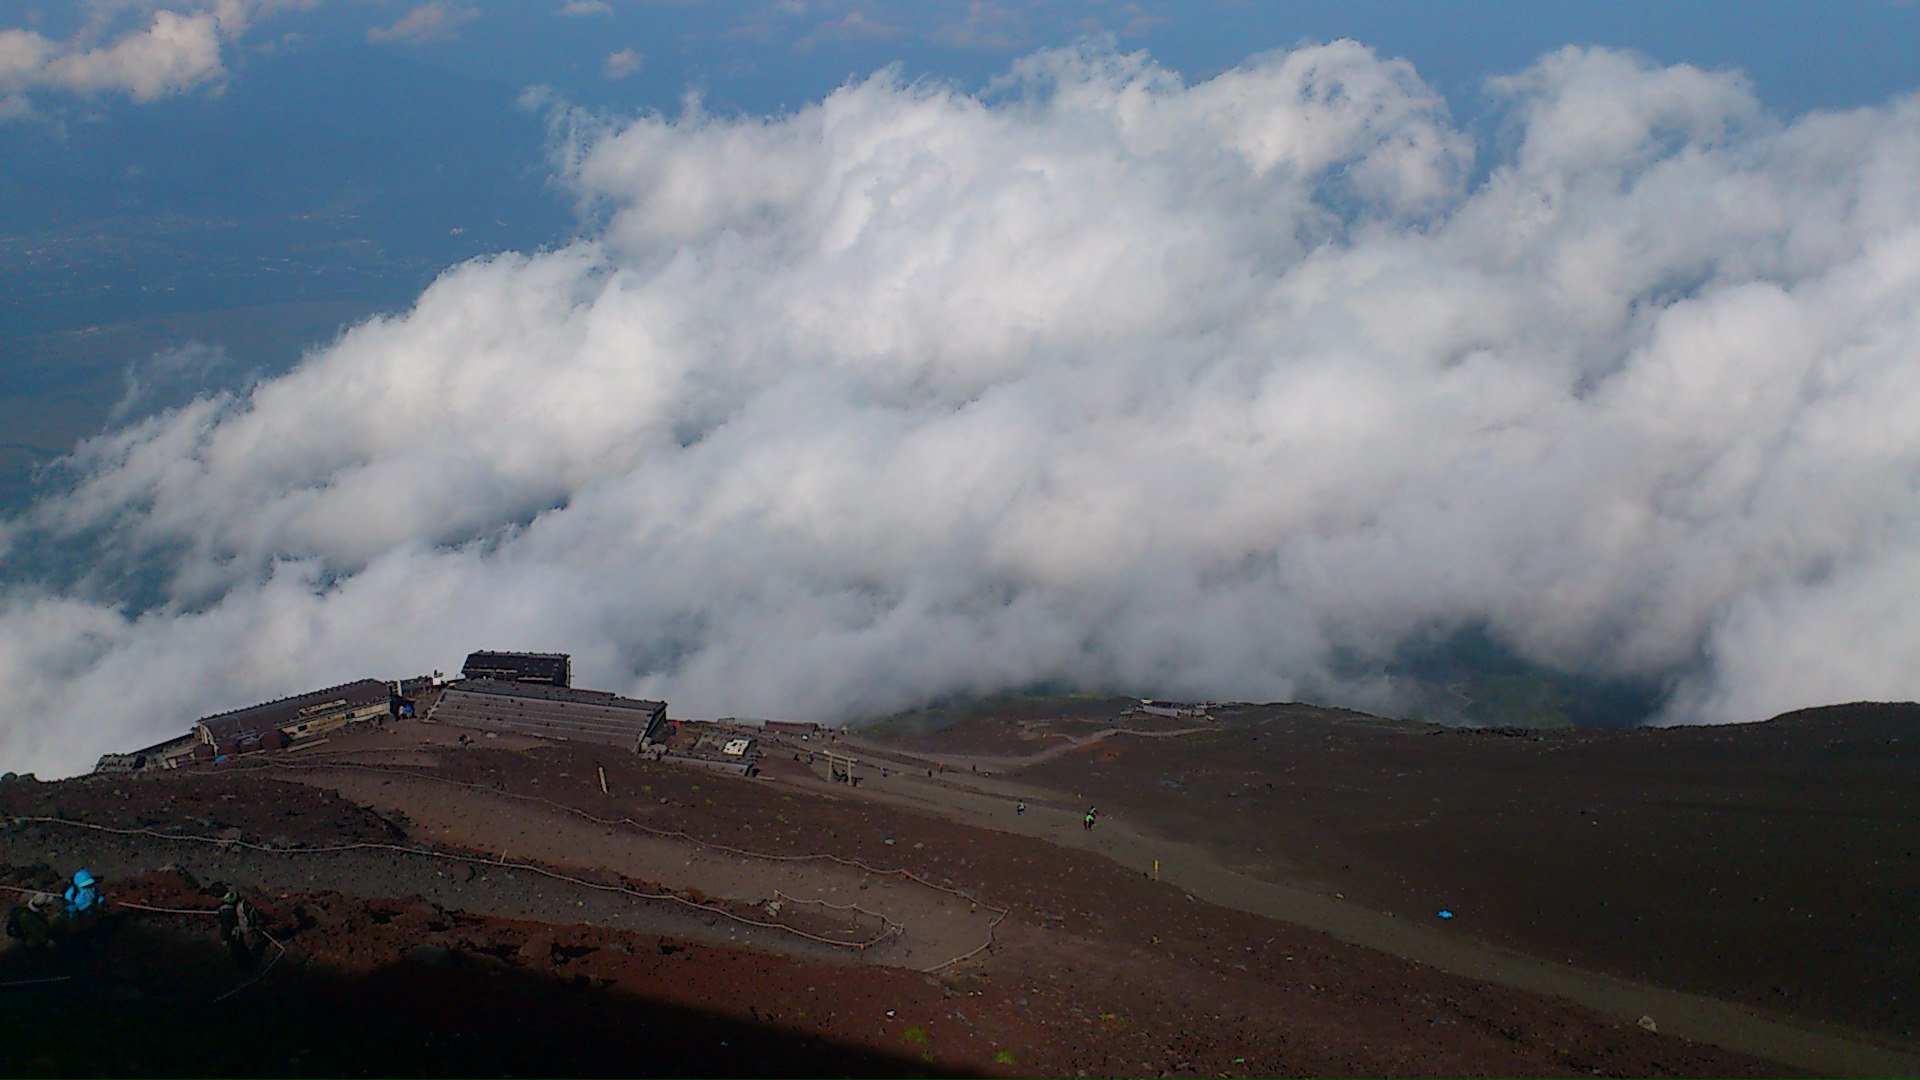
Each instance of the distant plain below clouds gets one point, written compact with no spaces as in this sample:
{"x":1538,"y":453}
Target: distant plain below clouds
{"x":1097,"y":379}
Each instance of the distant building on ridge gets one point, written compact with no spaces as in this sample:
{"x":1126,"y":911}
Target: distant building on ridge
{"x":278,"y":723}
{"x":167,"y":754}
{"x":551,"y":669}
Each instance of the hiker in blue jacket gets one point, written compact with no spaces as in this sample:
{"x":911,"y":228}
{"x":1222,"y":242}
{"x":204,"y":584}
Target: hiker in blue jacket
{"x":83,"y":901}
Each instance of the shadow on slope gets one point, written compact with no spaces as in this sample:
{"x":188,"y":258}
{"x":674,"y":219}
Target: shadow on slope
{"x":138,"y":1000}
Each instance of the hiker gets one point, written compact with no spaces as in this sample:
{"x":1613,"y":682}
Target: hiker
{"x":28,"y":923}
{"x":1089,"y":821}
{"x":1020,"y":808}
{"x":238,"y":924}
{"x":83,"y":901}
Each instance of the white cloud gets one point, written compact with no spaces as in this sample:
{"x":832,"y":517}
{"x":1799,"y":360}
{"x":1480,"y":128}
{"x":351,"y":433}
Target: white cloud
{"x":1225,"y":390}
{"x":178,"y":50}
{"x":171,"y":375}
{"x":174,"y":54}
{"x":621,"y":64}
{"x":854,"y":26}
{"x":435,"y":21}
{"x":575,"y":8}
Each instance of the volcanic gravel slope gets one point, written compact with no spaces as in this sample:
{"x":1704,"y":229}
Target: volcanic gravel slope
{"x":468,"y":960}
{"x":1775,"y":864}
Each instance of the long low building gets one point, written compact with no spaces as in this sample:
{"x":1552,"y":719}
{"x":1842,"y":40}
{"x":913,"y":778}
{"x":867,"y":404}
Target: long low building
{"x":276,"y":723}
{"x":550,"y":712}
{"x":169,"y":754}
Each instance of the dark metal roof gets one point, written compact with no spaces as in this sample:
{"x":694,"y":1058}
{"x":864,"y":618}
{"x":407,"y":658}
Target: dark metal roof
{"x":555,"y":669}
{"x":178,"y":742}
{"x":549,"y":711}
{"x":278,"y":714}
{"x":537,"y":691}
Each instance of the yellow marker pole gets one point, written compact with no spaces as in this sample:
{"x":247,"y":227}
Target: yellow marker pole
{"x":1156,"y":869}
{"x":603,"y":779}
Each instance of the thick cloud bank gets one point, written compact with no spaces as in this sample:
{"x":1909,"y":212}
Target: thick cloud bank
{"x":1098,"y":379}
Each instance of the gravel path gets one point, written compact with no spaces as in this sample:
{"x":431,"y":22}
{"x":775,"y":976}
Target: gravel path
{"x":986,"y":801}
{"x":447,"y":880}
{"x":938,"y":925}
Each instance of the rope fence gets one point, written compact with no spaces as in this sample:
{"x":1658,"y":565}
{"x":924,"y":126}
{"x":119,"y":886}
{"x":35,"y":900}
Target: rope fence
{"x":672,"y":834}
{"x":999,"y":913}
{"x":263,"y":971}
{"x":137,"y":906}
{"x":891,"y":927}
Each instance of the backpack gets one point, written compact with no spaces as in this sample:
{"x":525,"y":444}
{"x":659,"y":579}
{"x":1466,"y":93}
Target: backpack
{"x":27,"y":925}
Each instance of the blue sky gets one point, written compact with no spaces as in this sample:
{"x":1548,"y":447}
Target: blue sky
{"x":1256,"y":351}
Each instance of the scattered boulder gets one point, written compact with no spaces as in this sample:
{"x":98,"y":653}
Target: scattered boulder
{"x":434,"y":956}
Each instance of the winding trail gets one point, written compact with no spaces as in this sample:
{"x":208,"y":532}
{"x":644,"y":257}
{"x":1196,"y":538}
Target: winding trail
{"x":500,"y":888}
{"x":978,"y":790}
{"x":937,"y":924}
{"x":986,"y":799}
{"x":1002,"y":762}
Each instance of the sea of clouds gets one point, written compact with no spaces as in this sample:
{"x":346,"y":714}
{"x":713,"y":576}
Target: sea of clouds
{"x":1096,"y":378}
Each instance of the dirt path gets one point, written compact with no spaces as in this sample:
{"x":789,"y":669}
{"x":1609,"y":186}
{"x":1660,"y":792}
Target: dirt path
{"x":987,"y":800}
{"x":937,"y":925}
{"x":1001,"y":762}
{"x":378,"y":874}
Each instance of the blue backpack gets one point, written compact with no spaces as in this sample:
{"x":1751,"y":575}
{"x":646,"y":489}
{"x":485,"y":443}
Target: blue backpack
{"x":83,"y":896}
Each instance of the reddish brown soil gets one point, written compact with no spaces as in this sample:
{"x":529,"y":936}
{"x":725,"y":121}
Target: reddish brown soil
{"x":1096,"y":970}
{"x":1773,"y":864}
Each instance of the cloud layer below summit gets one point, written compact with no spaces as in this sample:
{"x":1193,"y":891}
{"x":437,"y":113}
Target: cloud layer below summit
{"x":1099,"y":378}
